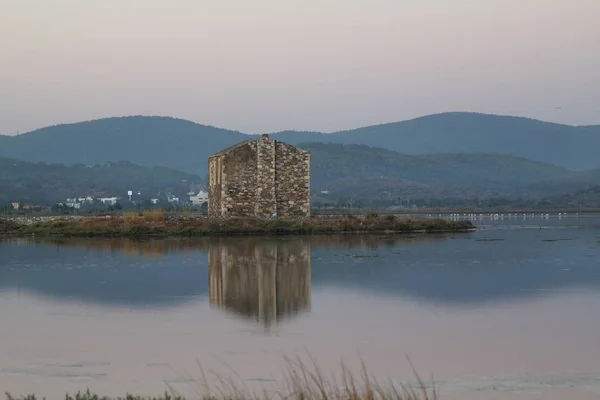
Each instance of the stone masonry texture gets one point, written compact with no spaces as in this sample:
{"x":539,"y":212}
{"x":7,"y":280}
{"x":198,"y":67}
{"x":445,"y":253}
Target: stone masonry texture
{"x":262,"y":178}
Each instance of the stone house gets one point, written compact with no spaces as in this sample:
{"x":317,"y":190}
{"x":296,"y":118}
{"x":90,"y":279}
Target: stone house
{"x":262,"y":178}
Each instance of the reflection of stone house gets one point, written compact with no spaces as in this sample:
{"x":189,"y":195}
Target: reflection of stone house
{"x":264,"y":281}
{"x":262,"y":177}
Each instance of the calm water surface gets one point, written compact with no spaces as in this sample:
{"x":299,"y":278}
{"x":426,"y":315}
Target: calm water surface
{"x":509,"y":312}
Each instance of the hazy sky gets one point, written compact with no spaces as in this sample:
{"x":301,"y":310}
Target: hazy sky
{"x":267,"y":65}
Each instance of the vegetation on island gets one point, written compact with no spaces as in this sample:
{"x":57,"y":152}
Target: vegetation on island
{"x":8,"y":227}
{"x":156,"y":223}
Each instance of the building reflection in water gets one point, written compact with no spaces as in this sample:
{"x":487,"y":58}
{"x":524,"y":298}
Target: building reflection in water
{"x":263,"y":279}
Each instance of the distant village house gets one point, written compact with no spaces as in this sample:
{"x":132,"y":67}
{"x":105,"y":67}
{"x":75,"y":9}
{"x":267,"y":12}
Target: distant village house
{"x":18,"y":206}
{"x":263,"y":178}
{"x":111,"y":201}
{"x":200,"y":198}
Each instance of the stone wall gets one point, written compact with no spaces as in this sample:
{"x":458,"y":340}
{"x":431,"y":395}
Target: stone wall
{"x":292,"y":180}
{"x":266,"y":195}
{"x":215,"y":185}
{"x":261,"y":280}
{"x":263,"y":178}
{"x":240,"y":180}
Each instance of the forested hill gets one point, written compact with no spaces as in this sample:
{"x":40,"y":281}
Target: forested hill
{"x":147,"y":141}
{"x":46,"y":184}
{"x":185,"y":145}
{"x":359,"y":170}
{"x":564,"y":145}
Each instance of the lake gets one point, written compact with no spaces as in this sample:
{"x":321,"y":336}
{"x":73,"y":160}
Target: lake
{"x":511,"y":311}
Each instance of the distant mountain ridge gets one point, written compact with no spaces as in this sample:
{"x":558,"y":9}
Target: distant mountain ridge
{"x":367,"y":172}
{"x":457,"y":132}
{"x":185,"y":145}
{"x":146,"y":141}
{"x":373,"y":176}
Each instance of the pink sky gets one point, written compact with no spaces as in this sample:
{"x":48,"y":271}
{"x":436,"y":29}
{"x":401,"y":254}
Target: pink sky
{"x":269,"y":65}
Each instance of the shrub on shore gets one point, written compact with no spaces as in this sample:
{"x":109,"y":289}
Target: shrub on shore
{"x":7,"y":227}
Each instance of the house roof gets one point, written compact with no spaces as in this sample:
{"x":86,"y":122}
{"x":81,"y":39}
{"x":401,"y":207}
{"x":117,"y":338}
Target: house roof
{"x":235,"y":146}
{"x":264,"y":136}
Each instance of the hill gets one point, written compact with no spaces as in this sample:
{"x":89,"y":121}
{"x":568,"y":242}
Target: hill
{"x":146,"y":141}
{"x":583,"y":198}
{"x":366,"y":172}
{"x":185,"y":145}
{"x":564,"y":145}
{"x":359,"y":173}
{"x":46,"y":184}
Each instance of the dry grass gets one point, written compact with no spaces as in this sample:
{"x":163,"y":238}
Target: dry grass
{"x":306,"y":381}
{"x":154,"y":215}
{"x":155,"y":223}
{"x":302,"y":381}
{"x":132,"y":217}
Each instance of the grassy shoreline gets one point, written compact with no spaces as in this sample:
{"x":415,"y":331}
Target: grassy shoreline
{"x":156,"y":224}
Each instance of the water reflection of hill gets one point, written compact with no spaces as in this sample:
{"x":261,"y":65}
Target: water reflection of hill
{"x":262,"y":279}
{"x":113,"y":272}
{"x":467,"y":269}
{"x":453,"y":269}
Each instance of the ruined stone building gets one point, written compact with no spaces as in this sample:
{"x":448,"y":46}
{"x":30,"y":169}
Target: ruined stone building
{"x":263,"y":178}
{"x":263,"y":280}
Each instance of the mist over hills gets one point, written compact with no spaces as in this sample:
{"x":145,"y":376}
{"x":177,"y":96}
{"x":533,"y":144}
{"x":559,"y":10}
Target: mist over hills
{"x":185,"y":145}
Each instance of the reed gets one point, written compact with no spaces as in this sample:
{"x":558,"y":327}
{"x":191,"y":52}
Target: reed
{"x":156,"y":215}
{"x":302,"y":381}
{"x":132,"y":217}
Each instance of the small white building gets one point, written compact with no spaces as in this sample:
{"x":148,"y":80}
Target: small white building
{"x":171,"y":198}
{"x":200,"y":198}
{"x":74,"y":205}
{"x":77,"y":202}
{"x":111,"y":201}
